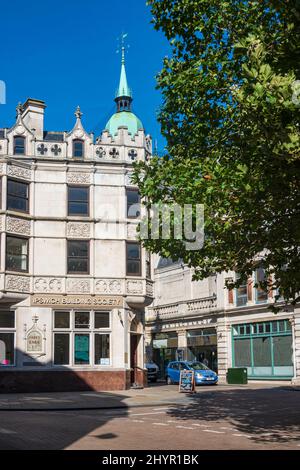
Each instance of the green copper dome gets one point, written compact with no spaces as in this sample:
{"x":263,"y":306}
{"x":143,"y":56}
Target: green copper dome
{"x":124,"y":119}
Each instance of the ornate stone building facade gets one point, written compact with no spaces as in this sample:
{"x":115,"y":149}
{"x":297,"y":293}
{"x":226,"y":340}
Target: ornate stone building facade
{"x":74,"y":281}
{"x":203,"y":321}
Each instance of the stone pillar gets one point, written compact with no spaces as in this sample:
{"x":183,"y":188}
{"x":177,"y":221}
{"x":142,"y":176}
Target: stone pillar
{"x":296,"y":346}
{"x":224,"y":356}
{"x":148,"y":344}
{"x":182,"y":338}
{"x":182,"y":342}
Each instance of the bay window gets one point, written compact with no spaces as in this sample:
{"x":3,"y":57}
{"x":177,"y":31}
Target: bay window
{"x":133,"y":259}
{"x":17,"y":196}
{"x":16,"y":254}
{"x":78,"y":256}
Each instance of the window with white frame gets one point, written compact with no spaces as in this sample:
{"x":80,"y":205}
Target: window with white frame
{"x":7,"y":338}
{"x":241,"y":292}
{"x":82,"y":338}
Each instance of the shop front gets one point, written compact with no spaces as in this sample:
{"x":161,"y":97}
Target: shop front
{"x":68,"y":343}
{"x":265,"y":348}
{"x":165,"y":349}
{"x":202,"y":346}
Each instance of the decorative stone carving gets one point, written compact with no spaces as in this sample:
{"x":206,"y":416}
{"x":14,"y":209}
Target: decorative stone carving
{"x":55,"y":285}
{"x":20,"y":226}
{"x":35,"y":339}
{"x":78,"y":286}
{"x":1,"y":166}
{"x":42,"y":149}
{"x":79,"y":134}
{"x":40,"y":285}
{"x":80,"y":178}
{"x":114,"y":286}
{"x":101,"y":286}
{"x":20,"y":129}
{"x":17,"y":283}
{"x":78,"y":229}
{"x":1,"y":223}
{"x":134,"y":287}
{"x":56,"y":150}
{"x":19,"y":172}
{"x":43,"y":284}
{"x":114,"y":153}
{"x":100,"y":152}
{"x":132,"y":154}
{"x":149,"y":289}
{"x":109,"y":286}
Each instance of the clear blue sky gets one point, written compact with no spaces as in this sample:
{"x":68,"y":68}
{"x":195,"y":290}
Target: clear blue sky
{"x":64,"y":52}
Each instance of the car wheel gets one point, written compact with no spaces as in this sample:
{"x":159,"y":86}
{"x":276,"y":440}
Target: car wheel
{"x":169,"y":380}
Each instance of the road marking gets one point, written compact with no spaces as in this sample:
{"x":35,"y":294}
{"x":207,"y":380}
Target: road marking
{"x":172,"y":421}
{"x":216,"y":432}
{"x":183,"y":427}
{"x":161,"y":408}
{"x":241,"y":435}
{"x":7,"y":431}
{"x":138,"y":421}
{"x":228,"y":429}
{"x":146,"y":414}
{"x":202,"y":425}
{"x":160,"y":424}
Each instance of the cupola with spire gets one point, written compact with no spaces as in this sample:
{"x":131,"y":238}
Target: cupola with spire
{"x":124,"y":117}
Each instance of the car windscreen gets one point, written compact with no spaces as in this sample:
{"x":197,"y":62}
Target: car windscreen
{"x":198,"y":366}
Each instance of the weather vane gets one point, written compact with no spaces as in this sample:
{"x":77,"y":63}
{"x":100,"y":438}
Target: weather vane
{"x":122,"y":46}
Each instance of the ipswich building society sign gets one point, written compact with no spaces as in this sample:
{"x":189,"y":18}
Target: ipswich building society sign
{"x":73,"y":301}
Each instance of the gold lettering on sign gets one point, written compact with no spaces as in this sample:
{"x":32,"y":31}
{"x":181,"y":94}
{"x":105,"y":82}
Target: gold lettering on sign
{"x":97,"y":301}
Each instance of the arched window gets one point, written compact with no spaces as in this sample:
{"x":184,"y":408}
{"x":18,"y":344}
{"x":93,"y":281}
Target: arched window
{"x":19,"y":145}
{"x":78,"y":148}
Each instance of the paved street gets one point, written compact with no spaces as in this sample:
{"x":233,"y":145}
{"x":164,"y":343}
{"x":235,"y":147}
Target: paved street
{"x":221,"y":417}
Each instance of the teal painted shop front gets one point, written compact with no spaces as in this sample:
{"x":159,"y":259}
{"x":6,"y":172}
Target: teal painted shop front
{"x":264,"y":348}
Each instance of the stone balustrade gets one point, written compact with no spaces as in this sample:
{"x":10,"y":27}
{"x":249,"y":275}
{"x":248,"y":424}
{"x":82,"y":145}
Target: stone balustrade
{"x":181,"y":309}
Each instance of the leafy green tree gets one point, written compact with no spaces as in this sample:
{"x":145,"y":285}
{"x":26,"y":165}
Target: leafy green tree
{"x":230,"y":116}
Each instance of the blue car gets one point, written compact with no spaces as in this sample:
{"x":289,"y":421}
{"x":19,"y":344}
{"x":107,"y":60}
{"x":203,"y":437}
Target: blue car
{"x":203,"y":375}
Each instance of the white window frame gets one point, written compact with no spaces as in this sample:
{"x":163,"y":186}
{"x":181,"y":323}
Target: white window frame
{"x":236,"y":294}
{"x":91,"y":331}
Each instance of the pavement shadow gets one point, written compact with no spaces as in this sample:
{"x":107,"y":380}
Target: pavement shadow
{"x":55,"y":430}
{"x":269,"y":415}
{"x":42,"y":414}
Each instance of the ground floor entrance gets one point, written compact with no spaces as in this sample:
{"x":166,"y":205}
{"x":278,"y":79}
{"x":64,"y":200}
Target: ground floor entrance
{"x":68,"y":346}
{"x":200,"y":345}
{"x":265,"y":348}
{"x":136,"y":371}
